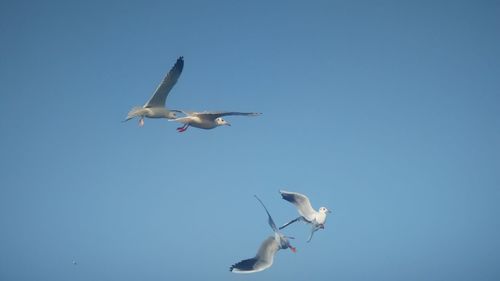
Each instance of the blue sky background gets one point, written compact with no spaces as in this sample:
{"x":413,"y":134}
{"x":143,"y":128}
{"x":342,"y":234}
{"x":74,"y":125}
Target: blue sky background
{"x":387,"y":112}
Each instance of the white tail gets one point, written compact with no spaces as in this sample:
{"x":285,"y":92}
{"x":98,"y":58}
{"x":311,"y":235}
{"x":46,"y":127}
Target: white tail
{"x":134,"y":112}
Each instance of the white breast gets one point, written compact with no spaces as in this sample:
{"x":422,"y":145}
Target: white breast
{"x":320,"y":217}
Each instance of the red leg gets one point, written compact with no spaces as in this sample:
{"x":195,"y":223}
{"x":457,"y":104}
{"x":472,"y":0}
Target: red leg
{"x":183,"y":128}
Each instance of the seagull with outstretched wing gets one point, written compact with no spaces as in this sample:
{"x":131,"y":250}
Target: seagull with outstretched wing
{"x":265,"y":255}
{"x":207,"y":120}
{"x":155,"y":107}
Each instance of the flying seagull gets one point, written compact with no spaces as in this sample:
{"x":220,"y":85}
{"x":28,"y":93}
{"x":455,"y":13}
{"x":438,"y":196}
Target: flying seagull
{"x":307,"y":214}
{"x":265,"y":255}
{"x":207,"y":120}
{"x":155,"y":107}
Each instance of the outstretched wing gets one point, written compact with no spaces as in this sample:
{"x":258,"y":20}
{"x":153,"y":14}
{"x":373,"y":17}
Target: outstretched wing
{"x":160,"y":95}
{"x":213,"y":115}
{"x":270,"y":219}
{"x":292,"y":221}
{"x":263,"y":259}
{"x":301,"y":202}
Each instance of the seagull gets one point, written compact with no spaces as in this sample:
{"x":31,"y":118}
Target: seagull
{"x":207,"y":120}
{"x":155,"y":107}
{"x":265,"y":255}
{"x":74,"y":262}
{"x":307,"y":214}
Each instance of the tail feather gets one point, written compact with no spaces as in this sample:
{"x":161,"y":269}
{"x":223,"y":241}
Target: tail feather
{"x":134,"y":112}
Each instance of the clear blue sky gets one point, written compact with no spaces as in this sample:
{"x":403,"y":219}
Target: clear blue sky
{"x":387,"y":112}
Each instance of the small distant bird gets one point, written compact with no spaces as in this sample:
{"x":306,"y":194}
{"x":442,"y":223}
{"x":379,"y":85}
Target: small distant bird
{"x":155,"y":107}
{"x":307,"y":214}
{"x":265,"y":256}
{"x":74,"y":262}
{"x":207,"y":120}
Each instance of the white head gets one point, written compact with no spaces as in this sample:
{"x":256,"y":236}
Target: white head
{"x":221,"y":122}
{"x":171,"y":115}
{"x":324,"y":210}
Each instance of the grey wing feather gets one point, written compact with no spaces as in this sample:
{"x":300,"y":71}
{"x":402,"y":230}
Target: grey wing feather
{"x":270,"y":219}
{"x":301,"y":202}
{"x":213,"y":115}
{"x":267,"y":249}
{"x":262,"y":260}
{"x":292,"y":221}
{"x":160,"y":95}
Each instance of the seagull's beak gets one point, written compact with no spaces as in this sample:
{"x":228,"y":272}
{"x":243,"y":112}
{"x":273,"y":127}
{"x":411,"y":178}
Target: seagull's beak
{"x":227,"y":123}
{"x":329,"y":211}
{"x":293,"y":249}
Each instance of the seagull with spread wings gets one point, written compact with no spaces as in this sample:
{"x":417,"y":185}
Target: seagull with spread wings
{"x":315,"y":218}
{"x":155,"y":107}
{"x":207,"y":120}
{"x":265,"y":255}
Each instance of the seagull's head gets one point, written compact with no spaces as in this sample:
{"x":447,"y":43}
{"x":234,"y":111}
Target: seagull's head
{"x":171,"y":115}
{"x":324,"y":210}
{"x":221,"y":122}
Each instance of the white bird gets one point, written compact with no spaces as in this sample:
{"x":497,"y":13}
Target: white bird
{"x":155,"y":107}
{"x":307,"y":214}
{"x":207,"y":120}
{"x":265,"y":255}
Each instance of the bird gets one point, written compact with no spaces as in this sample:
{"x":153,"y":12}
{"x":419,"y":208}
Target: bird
{"x":207,"y":120}
{"x":155,"y":107}
{"x":315,"y":218}
{"x":74,"y":262}
{"x":265,"y":255}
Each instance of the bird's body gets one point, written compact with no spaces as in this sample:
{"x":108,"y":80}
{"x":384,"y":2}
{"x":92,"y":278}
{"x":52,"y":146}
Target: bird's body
{"x":155,"y":107}
{"x":151,"y":112}
{"x":198,"y":122}
{"x":315,"y":218}
{"x":265,"y":255}
{"x":207,"y":120}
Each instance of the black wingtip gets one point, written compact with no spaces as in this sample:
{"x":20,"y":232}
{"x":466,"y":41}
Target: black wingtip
{"x":287,"y":197}
{"x":244,"y":265}
{"x":179,"y":64}
{"x":281,"y":193}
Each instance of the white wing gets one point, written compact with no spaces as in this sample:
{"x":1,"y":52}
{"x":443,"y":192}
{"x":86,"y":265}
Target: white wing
{"x":301,"y":202}
{"x":261,"y":261}
{"x":160,"y":95}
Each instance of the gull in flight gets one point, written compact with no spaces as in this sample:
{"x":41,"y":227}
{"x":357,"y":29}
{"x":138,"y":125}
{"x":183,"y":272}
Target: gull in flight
{"x":207,"y":120}
{"x":155,"y":107}
{"x":265,"y":255}
{"x":307,"y":214}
